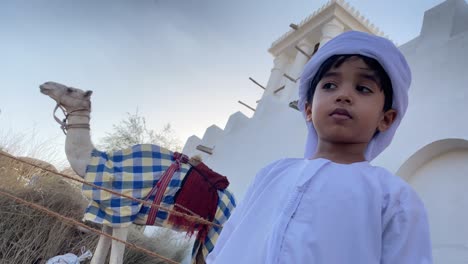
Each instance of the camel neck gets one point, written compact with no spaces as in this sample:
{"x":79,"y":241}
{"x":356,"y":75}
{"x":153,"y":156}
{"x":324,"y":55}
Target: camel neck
{"x":79,"y":117}
{"x":78,"y":145}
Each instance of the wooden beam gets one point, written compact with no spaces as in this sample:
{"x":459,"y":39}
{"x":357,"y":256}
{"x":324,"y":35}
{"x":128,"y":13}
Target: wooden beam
{"x":294,"y":26}
{"x":294,"y":105}
{"x":246,"y":105}
{"x":261,"y":86}
{"x":279,"y":89}
{"x":303,"y":52}
{"x":205,"y":149}
{"x":291,"y":78}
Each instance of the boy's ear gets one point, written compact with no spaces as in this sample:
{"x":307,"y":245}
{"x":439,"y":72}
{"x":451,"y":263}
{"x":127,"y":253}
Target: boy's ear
{"x":387,"y":120}
{"x":308,"y":110}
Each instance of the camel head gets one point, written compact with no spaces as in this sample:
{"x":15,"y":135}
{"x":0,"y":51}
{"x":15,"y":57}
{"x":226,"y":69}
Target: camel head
{"x":68,"y":97}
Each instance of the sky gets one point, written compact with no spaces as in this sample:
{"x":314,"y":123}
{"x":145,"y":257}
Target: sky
{"x":181,"y":62}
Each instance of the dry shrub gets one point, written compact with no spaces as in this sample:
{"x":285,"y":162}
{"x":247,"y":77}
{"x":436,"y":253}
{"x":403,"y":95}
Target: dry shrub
{"x":163,"y":242}
{"x":28,"y":234}
{"x":9,"y":175}
{"x":27,"y":144}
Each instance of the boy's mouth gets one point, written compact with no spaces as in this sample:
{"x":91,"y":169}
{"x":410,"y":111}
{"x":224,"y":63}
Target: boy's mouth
{"x":341,"y":113}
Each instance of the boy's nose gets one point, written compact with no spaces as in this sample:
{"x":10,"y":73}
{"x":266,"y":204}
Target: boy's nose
{"x":343,"y":98}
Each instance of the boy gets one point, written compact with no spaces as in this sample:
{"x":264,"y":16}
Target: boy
{"x":333,"y":206}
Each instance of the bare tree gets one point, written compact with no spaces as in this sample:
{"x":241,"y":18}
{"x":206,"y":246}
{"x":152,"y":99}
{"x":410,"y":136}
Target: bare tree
{"x":132,"y":130}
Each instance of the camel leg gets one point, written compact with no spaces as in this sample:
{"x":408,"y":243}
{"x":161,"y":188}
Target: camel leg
{"x":102,"y":247}
{"x":118,"y":248}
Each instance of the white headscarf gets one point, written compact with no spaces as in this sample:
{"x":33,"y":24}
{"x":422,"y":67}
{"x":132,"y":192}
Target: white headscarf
{"x":378,"y":48}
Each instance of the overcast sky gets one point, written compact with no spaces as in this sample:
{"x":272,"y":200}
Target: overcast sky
{"x":181,"y":62}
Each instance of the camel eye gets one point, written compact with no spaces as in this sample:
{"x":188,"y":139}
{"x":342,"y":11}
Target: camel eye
{"x":69,"y":90}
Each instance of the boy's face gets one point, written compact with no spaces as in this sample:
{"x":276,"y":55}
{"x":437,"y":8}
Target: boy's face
{"x":347,"y":106}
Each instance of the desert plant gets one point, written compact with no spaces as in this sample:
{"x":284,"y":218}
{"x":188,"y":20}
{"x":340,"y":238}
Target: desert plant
{"x":28,"y":235}
{"x":132,"y":130}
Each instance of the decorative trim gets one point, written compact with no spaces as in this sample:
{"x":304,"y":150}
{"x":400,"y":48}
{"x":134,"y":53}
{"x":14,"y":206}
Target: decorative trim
{"x":346,"y":6}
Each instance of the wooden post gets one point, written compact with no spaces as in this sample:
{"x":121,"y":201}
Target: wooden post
{"x":261,"y":86}
{"x":279,"y":89}
{"x":294,"y":26}
{"x":246,"y":105}
{"x":294,"y":105}
{"x":291,"y":78}
{"x":303,"y":52}
{"x":205,"y":149}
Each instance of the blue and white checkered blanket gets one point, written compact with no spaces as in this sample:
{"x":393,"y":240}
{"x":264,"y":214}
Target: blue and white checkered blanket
{"x":134,"y":172}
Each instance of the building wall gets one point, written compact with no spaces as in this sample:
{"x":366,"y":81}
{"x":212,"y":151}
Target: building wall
{"x":239,"y":153}
{"x":438,"y":94}
{"x":441,"y":183}
{"x":438,"y":102}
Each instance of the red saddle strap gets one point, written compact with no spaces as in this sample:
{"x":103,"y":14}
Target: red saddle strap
{"x":160,"y":188}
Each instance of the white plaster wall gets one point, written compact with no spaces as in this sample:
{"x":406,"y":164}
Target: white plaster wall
{"x":243,"y":151}
{"x":437,"y":99}
{"x":442,"y":185}
{"x":190,"y":145}
{"x":437,"y":110}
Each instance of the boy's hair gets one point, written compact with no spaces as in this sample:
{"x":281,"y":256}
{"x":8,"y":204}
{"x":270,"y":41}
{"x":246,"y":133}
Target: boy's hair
{"x":336,"y":60}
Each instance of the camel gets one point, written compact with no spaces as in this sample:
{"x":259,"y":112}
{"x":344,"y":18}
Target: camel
{"x":76,"y":105}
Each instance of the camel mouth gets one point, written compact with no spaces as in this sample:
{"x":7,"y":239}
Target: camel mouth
{"x":44,"y":89}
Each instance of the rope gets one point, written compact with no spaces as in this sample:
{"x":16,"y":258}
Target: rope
{"x":190,"y":218}
{"x":74,"y":222}
{"x":63,"y":123}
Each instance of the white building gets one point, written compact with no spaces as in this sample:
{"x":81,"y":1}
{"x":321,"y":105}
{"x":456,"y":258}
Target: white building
{"x":430,"y":149}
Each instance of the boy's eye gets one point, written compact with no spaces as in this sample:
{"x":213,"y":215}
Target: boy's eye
{"x":329,"y":86}
{"x":364,"y":89}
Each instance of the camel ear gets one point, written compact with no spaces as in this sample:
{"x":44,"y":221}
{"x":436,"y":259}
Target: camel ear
{"x":88,"y":93}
